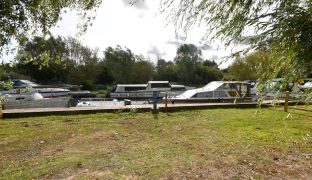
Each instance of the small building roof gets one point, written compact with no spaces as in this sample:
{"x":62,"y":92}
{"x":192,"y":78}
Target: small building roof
{"x":154,"y":82}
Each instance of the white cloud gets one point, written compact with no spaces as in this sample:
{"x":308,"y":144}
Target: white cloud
{"x":155,"y":52}
{"x":139,"y":27}
{"x":141,"y":4}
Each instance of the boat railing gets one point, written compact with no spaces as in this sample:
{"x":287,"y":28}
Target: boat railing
{"x":96,"y":99}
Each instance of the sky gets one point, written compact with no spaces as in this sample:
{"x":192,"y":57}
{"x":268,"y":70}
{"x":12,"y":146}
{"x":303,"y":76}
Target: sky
{"x":139,"y":27}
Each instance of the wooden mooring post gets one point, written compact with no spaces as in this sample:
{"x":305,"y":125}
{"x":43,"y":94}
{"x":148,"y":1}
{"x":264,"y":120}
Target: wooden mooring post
{"x":286,"y":101}
{"x":1,"y":111}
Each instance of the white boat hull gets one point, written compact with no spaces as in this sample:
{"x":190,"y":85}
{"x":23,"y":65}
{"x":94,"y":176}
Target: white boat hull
{"x":39,"y":103}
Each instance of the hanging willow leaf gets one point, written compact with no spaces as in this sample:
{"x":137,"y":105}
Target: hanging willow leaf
{"x":20,"y":17}
{"x":280,"y":28}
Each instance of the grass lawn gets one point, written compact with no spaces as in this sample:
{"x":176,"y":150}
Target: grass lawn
{"x":202,"y":144}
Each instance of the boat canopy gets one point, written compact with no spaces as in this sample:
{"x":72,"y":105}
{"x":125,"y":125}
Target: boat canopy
{"x":187,"y":94}
{"x":226,"y":88}
{"x":23,"y":83}
{"x":209,"y":87}
{"x":212,"y":86}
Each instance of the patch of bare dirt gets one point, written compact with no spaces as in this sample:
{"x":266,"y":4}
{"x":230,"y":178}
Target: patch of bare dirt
{"x":25,"y":124}
{"x":130,"y":122}
{"x":70,"y":174}
{"x":7,"y":140}
{"x":28,"y":124}
{"x":203,"y":172}
{"x":287,"y":167}
{"x":69,"y":122}
{"x":104,"y":141}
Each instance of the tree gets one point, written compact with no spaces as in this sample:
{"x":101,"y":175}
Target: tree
{"x":6,"y":71}
{"x":283,"y":27}
{"x":20,"y":17}
{"x":79,"y":53}
{"x":143,"y":71}
{"x":209,"y":71}
{"x":104,"y":76}
{"x":188,"y":53}
{"x":249,"y":67}
{"x":161,"y":63}
{"x":58,"y":59}
{"x":188,"y":68}
{"x":166,"y":70}
{"x":121,"y":64}
{"x":210,"y":63}
{"x":85,"y":61}
{"x":187,"y":58}
{"x":44,"y":59}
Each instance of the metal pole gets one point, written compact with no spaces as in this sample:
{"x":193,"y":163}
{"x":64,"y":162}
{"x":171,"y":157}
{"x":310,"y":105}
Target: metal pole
{"x":154,"y":100}
{"x":286,"y":102}
{"x":166,"y":105}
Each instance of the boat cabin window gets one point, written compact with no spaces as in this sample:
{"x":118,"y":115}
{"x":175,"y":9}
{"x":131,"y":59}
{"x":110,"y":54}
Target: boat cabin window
{"x":177,"y":88}
{"x":20,"y":98}
{"x":233,"y":93}
{"x":238,"y":89}
{"x":114,"y":89}
{"x":252,"y":84}
{"x":234,"y":86}
{"x":134,"y":88}
{"x":244,"y":89}
{"x":17,"y":83}
{"x":160,"y":85}
{"x":218,"y":94}
{"x":204,"y":94}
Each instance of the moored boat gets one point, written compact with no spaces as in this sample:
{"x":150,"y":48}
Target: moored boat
{"x":145,"y":91}
{"x":25,"y":86}
{"x":216,"y":91}
{"x":32,"y":100}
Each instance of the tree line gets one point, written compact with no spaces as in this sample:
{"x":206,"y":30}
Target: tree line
{"x":280,"y":28}
{"x":67,"y":60}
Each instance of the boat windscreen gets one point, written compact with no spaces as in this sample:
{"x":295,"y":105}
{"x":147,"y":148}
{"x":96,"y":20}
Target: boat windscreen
{"x":212,"y":85}
{"x":29,"y":83}
{"x":187,"y":94}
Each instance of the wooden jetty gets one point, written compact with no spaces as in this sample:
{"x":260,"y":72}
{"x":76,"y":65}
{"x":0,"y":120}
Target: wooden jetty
{"x":14,"y":113}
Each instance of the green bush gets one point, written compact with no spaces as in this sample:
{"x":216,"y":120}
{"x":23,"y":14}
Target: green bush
{"x":88,"y":85}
